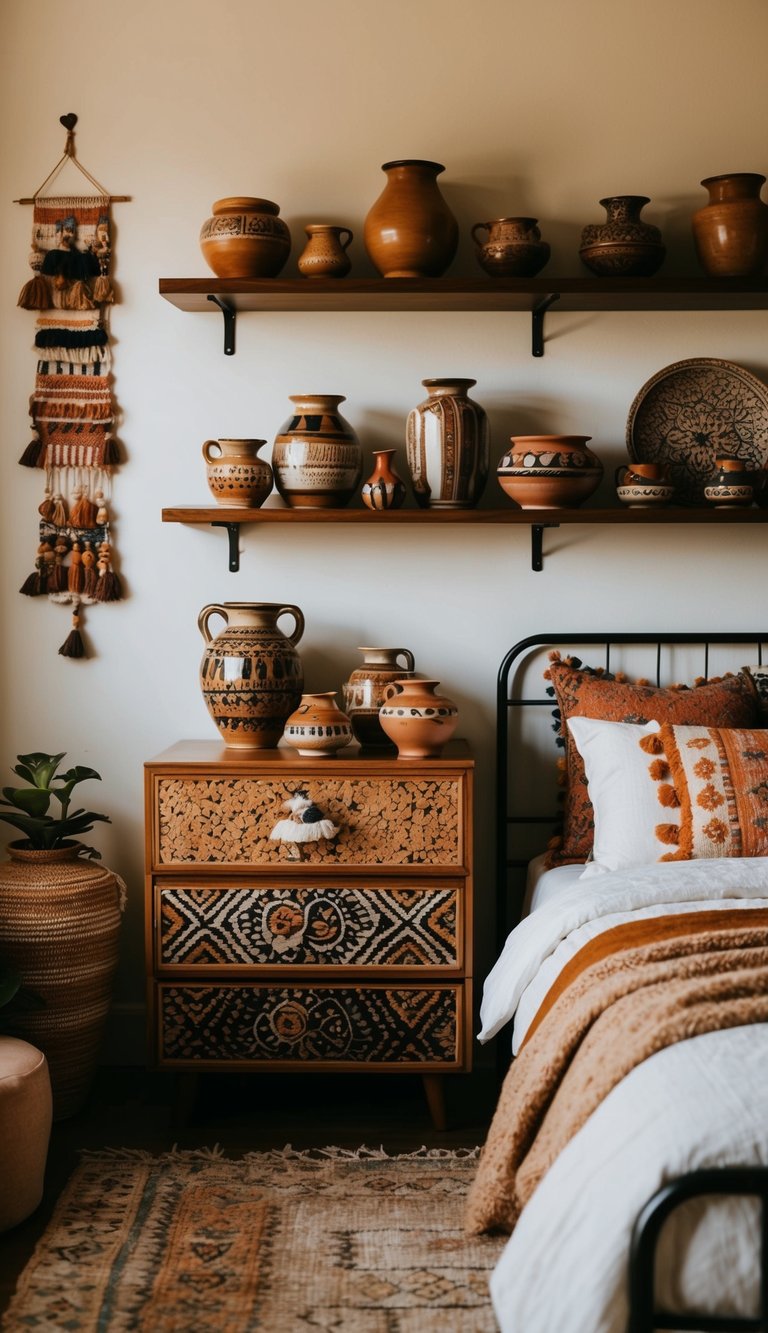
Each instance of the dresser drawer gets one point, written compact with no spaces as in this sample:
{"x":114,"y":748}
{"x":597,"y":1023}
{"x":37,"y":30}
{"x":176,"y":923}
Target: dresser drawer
{"x":213,"y":925}
{"x":383,"y":820}
{"x":319,"y":1026}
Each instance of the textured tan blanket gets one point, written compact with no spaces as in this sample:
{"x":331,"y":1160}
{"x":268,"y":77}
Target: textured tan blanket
{"x":614,"y":1014}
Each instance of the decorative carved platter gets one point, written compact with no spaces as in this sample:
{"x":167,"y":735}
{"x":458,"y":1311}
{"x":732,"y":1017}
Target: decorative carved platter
{"x":695,"y":411}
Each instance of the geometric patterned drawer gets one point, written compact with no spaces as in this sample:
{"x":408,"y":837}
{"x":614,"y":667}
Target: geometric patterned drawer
{"x":360,"y":1025}
{"x":382,"y":820}
{"x":204,"y":925}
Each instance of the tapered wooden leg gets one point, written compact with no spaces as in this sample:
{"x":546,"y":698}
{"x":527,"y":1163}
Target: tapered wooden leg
{"x":185,"y":1089}
{"x":435,"y":1093}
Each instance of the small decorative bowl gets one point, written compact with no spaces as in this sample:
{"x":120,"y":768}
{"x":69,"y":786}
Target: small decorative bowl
{"x":638,"y":494}
{"x":623,"y":259}
{"x":723,"y":495}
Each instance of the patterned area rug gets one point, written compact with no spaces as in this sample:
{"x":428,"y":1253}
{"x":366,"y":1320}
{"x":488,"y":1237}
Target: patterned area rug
{"x":193,"y":1242}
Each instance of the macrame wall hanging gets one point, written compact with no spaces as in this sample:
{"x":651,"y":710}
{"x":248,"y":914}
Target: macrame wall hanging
{"x":72,"y":407}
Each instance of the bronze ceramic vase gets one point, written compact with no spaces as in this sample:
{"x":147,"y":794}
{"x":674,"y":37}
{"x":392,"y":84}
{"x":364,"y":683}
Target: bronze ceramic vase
{"x":325,"y":254}
{"x":623,"y":246}
{"x":236,"y":476}
{"x":410,"y":232}
{"x":418,"y":719}
{"x":316,"y":458}
{"x":447,"y":446}
{"x":510,"y":248}
{"x":251,"y":674}
{"x":318,"y":727}
{"x":245,"y":238}
{"x":366,"y":690}
{"x":384,"y":489}
{"x":731,"y":231}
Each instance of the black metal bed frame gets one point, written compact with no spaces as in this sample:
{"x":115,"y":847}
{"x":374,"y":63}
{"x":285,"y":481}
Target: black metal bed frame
{"x":750,"y":1181}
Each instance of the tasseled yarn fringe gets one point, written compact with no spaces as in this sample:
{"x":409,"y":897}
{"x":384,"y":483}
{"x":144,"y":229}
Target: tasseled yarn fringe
{"x":35,"y":294}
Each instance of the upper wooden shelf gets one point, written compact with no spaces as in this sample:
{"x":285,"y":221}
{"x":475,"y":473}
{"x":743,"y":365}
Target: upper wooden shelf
{"x":533,"y":295}
{"x":360,"y":294}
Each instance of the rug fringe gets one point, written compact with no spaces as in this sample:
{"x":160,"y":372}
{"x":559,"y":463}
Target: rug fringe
{"x":332,"y":1153}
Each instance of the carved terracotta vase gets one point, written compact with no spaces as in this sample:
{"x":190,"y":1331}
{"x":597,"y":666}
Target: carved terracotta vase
{"x":384,"y":489}
{"x":418,"y":719}
{"x":622,"y":246}
{"x":410,"y":232}
{"x":236,"y":475}
{"x":251,"y":674}
{"x":447,"y":446}
{"x":245,"y":238}
{"x":325,"y":254}
{"x":318,"y":728}
{"x":366,"y":690}
{"x":510,"y":248}
{"x":731,"y":231}
{"x":316,"y":458}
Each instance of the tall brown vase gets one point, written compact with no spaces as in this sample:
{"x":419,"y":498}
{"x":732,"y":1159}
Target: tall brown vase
{"x":59,"y":929}
{"x":251,"y":675}
{"x":731,"y":231}
{"x":410,"y":232}
{"x":447,"y":446}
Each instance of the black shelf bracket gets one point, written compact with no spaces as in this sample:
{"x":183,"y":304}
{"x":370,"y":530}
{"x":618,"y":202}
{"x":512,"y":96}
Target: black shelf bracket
{"x":228,"y":311}
{"x":537,"y":322}
{"x":233,"y":532}
{"x":537,"y":545}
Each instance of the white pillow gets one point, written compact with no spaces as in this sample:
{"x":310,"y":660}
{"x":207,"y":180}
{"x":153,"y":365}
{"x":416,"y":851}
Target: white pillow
{"x":624,"y":796}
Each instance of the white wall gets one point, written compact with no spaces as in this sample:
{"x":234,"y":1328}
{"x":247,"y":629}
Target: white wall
{"x":538,"y":109}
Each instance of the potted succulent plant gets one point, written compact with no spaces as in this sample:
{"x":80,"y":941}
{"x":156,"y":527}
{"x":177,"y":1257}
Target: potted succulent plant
{"x":59,"y":922}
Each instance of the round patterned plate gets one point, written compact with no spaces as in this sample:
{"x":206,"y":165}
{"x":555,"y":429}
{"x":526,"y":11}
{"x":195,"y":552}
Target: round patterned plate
{"x":691,"y":413}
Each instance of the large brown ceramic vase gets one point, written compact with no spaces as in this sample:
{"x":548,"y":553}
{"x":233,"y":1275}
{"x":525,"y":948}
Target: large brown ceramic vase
{"x":366,"y":690}
{"x":245,"y":238}
{"x":447,"y":446}
{"x":59,"y":930}
{"x":316,"y":458}
{"x":410,"y":232}
{"x":731,"y":231}
{"x":251,"y":675}
{"x":418,"y":719}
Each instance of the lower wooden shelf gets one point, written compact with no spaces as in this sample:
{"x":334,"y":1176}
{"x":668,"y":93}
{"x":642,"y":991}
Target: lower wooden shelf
{"x":536,"y":519}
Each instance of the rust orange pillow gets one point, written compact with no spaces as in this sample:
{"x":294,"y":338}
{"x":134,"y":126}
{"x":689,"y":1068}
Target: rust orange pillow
{"x":580,"y":691}
{"x":720,"y":781}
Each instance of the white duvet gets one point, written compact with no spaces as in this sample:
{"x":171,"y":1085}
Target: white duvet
{"x":699,"y":1103}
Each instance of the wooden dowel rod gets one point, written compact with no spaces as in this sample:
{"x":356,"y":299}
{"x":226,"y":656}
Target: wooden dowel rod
{"x":111,"y":198}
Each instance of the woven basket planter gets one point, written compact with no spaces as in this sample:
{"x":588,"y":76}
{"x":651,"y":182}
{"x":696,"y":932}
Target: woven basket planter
{"x":59,"y":929}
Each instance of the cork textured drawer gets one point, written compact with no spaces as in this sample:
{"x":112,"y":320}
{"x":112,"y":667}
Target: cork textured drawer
{"x":222,"y":926}
{"x":386,"y":820}
{"x":295,"y":1026}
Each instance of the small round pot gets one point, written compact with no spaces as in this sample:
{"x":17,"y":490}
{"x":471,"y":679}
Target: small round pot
{"x":385,"y":488}
{"x":318,"y":728}
{"x":245,"y":238}
{"x":417,"y":719}
{"x":726,"y":495}
{"x":511,"y":248}
{"x":325,"y":254}
{"x":549,"y":471}
{"x":236,"y":476}
{"x":622,"y":246}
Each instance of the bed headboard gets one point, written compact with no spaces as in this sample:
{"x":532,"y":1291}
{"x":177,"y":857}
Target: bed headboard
{"x":526,"y":778}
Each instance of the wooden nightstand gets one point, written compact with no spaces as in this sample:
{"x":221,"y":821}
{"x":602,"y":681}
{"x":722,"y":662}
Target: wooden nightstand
{"x":356,"y":957}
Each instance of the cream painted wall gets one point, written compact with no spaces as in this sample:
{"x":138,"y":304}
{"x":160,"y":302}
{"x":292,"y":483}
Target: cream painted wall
{"x":539,"y":109}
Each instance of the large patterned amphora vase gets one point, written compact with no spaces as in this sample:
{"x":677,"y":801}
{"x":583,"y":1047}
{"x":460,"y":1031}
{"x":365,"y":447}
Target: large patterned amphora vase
{"x":251,"y":675}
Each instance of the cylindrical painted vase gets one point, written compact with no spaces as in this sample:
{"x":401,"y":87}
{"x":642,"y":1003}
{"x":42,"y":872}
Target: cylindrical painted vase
{"x":251,"y":674}
{"x":447,"y":446}
{"x":410,"y":232}
{"x":316,"y":457}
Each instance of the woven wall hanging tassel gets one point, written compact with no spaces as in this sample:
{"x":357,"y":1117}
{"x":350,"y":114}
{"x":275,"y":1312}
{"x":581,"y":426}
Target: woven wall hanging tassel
{"x":72,"y":406}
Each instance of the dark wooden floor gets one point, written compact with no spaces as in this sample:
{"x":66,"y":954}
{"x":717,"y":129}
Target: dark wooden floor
{"x":130,"y":1108}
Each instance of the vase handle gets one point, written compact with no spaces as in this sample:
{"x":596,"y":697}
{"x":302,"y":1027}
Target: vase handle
{"x":299,"y":619}
{"x":350,"y":237}
{"x":480,"y":226}
{"x":209,"y":444}
{"x":408,"y":655}
{"x":202,"y":620}
{"x":625,"y":469}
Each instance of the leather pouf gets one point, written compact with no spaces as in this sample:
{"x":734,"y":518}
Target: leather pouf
{"x":25,"y":1128}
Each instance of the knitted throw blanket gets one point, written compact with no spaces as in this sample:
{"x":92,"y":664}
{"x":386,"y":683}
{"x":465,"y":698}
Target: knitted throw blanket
{"x":616,"y":1012}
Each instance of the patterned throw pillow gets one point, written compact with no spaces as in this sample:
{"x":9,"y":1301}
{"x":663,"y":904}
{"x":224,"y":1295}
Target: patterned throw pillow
{"x":580,"y":691}
{"x":720,"y":779}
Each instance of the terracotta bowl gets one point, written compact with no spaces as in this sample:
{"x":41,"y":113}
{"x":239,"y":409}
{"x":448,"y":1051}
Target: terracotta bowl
{"x":537,"y":490}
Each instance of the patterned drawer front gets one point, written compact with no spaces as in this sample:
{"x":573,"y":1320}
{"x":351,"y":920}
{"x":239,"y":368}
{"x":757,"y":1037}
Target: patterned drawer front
{"x":381,"y":820}
{"x":310,"y":1024}
{"x":205,"y":925}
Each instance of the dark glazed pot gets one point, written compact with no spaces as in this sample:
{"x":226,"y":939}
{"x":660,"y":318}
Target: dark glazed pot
{"x":410,"y":232}
{"x":731,"y":231}
{"x":622,"y":246}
